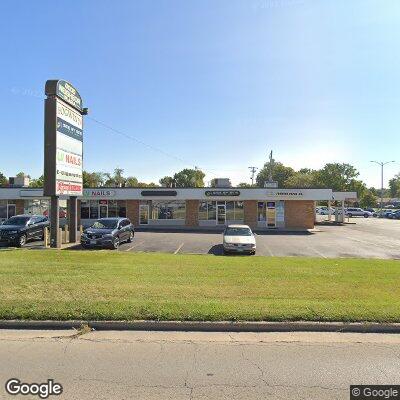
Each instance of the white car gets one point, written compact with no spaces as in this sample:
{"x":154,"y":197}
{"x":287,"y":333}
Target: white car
{"x":239,"y":239}
{"x":325,"y":211}
{"x":357,"y":212}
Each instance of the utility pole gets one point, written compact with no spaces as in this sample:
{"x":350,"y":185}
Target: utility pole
{"x":253,"y":171}
{"x":382,"y":164}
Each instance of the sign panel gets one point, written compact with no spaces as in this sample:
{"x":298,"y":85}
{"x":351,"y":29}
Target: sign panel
{"x":98,"y":193}
{"x":69,"y":149}
{"x":63,"y":140}
{"x":218,"y":193}
{"x":65,"y":91}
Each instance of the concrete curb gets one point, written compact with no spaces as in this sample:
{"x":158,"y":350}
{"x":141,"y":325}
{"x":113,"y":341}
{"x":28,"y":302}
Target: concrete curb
{"x":208,"y":326}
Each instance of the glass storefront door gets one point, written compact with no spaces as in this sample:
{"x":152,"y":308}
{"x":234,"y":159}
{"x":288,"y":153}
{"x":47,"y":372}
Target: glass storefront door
{"x":271,"y":214}
{"x":144,"y":214}
{"x":103,"y":210}
{"x":221,"y":214}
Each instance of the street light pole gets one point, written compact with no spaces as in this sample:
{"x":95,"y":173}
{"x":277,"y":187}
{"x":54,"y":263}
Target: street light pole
{"x":382,"y":164}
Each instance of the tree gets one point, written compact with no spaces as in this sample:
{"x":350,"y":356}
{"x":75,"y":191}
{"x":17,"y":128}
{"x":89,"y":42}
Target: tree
{"x":304,"y":178}
{"x":245,"y":185}
{"x":147,"y":185}
{"x":37,"y":183}
{"x":280,"y":173}
{"x":368,"y":199}
{"x":167,"y":181}
{"x":185,"y":178}
{"x":22,"y":175}
{"x":3,"y":180}
{"x":394,"y":186}
{"x":131,"y":181}
{"x":116,"y":179}
{"x":93,"y":179}
{"x":336,"y":176}
{"x":189,"y":178}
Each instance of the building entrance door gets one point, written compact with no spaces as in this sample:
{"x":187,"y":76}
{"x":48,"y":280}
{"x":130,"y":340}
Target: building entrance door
{"x":221,"y":214}
{"x":271,"y":214}
{"x":143,"y":214}
{"x":103,"y":210}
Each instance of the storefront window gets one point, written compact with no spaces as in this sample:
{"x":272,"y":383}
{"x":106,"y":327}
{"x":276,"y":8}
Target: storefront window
{"x":121,"y":210}
{"x":168,"y":209}
{"x":212,"y":210}
{"x":3,"y":209}
{"x":239,"y":213}
{"x":261,"y":211}
{"x":85,"y":209}
{"x":234,"y":210}
{"x":202,"y":210}
{"x":94,"y":209}
{"x":37,"y":207}
{"x":230,"y":210}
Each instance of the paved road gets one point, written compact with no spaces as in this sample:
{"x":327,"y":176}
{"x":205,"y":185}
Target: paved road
{"x":366,"y":238}
{"x":162,"y":365}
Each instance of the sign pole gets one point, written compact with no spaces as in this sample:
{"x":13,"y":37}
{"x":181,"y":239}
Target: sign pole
{"x":63,"y":153}
{"x":73,"y":218}
{"x":55,"y":240}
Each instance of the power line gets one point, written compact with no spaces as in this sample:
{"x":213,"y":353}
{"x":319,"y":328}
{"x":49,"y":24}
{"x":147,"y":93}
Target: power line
{"x":149,"y":146}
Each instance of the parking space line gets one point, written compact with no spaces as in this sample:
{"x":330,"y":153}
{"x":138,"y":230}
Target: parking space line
{"x":269,"y":251}
{"x":134,"y":245}
{"x":177,"y":250}
{"x":318,"y":252}
{"x":372,"y":244}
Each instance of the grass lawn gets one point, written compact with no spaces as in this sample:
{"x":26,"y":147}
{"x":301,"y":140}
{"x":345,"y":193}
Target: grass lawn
{"x":104,"y":285}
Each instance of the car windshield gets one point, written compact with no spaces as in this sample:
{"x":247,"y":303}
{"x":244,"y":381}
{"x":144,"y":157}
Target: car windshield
{"x":105,"y":224}
{"x":17,"y":221}
{"x":237,"y":232}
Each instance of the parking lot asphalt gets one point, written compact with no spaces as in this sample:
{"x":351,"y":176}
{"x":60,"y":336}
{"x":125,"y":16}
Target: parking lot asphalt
{"x":362,"y":237}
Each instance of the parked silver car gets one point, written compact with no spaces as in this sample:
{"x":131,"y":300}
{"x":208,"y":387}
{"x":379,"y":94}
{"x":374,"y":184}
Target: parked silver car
{"x":357,"y":212}
{"x":239,"y":239}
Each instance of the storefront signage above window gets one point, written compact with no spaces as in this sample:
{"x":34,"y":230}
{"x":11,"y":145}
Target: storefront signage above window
{"x":226,"y":193}
{"x":157,"y":193}
{"x":284,"y":193}
{"x":98,"y":193}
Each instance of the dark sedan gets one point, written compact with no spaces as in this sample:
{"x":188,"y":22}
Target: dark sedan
{"x":394,"y":215}
{"x":20,"y":229}
{"x":108,"y":233}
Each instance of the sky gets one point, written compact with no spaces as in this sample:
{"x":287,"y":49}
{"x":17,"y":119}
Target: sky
{"x":214,"y":84}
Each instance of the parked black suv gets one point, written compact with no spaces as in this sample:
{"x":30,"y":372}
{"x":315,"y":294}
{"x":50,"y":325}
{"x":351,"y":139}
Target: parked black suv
{"x":20,"y":229}
{"x":108,"y":232}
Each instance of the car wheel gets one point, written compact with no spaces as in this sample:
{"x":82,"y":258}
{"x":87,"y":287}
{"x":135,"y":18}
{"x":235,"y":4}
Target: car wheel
{"x":21,"y":241}
{"x":366,"y":215}
{"x":84,"y":246}
{"x":116,"y":243}
{"x":130,"y":237}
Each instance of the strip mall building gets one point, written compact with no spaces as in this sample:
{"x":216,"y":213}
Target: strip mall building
{"x":200,"y":208}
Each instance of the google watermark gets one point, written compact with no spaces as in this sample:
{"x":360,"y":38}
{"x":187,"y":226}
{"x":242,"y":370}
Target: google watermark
{"x":374,"y":392}
{"x":43,"y":390}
